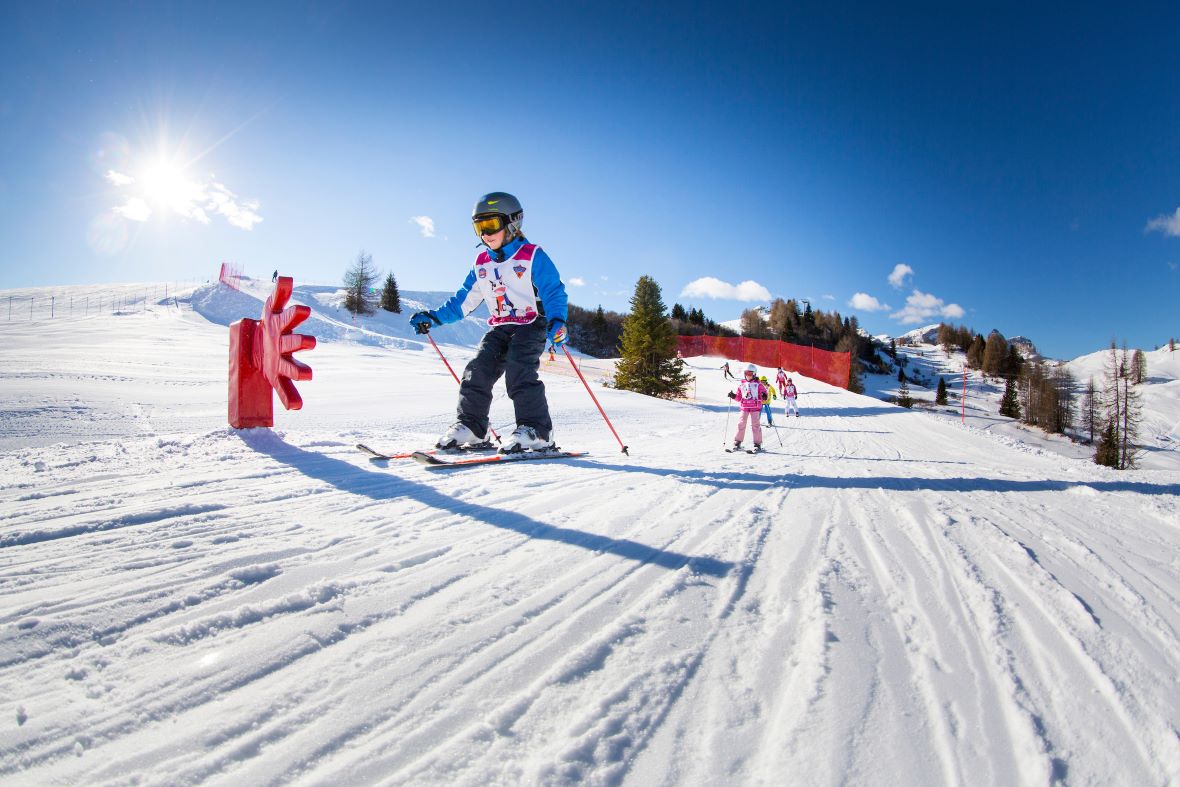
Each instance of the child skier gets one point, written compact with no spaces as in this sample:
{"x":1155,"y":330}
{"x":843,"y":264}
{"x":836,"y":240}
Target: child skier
{"x":789,"y":394}
{"x":781,"y":379}
{"x":527,"y":301}
{"x":771,"y":396}
{"x":750,"y":395}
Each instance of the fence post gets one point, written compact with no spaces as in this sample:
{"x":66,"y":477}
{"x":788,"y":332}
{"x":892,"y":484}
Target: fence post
{"x":51,"y":302}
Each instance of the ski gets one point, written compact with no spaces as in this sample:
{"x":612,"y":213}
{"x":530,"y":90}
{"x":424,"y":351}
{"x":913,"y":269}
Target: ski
{"x":432,"y":462}
{"x":377,"y":455}
{"x":746,"y":451}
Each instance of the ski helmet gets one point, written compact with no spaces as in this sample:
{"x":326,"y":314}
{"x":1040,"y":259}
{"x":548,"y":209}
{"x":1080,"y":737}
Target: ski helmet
{"x":496,"y":211}
{"x":751,"y":368}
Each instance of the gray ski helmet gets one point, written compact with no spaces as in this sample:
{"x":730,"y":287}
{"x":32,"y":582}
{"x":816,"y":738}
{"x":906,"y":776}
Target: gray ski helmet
{"x":503,"y":204}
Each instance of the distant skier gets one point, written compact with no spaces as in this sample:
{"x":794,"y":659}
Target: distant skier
{"x":275,"y":276}
{"x":728,"y":375}
{"x":552,"y":354}
{"x":524,"y":293}
{"x":770,"y":397}
{"x":750,"y":395}
{"x":789,"y":395}
{"x":780,"y":379}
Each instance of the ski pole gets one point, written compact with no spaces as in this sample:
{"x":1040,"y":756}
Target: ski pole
{"x":595,"y":398}
{"x":728,"y":410}
{"x":452,"y":371}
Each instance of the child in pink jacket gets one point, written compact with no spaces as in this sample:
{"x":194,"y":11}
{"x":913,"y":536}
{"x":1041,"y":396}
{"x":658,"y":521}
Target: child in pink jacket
{"x":750,"y":395}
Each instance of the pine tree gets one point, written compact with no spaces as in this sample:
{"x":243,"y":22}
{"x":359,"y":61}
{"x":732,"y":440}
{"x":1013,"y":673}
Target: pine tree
{"x":391,"y":299}
{"x":649,"y":364}
{"x":1010,"y":404}
{"x":903,"y":394}
{"x":678,"y":312}
{"x":1107,"y":453}
{"x":1013,"y":363}
{"x":940,"y":394}
{"x":358,"y":284}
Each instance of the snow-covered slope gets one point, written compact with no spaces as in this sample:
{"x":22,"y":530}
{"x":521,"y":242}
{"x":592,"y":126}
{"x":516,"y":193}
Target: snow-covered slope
{"x":1159,"y":434}
{"x":884,"y":598}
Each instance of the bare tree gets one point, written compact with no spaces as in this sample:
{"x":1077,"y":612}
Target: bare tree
{"x":1091,"y":409}
{"x":359,"y":297}
{"x":1139,"y":367}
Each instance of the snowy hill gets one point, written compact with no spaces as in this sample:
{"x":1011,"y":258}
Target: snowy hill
{"x":925,"y":362}
{"x":882,"y":598}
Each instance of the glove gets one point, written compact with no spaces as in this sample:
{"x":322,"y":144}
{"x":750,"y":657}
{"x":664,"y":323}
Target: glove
{"x":422,"y":321}
{"x":557,"y":333}
{"x":732,"y":395}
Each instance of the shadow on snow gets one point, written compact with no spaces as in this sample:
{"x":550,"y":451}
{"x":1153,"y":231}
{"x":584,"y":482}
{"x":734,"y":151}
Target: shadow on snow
{"x":383,"y":485}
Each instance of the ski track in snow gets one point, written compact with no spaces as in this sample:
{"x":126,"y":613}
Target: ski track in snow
{"x":884,"y":598}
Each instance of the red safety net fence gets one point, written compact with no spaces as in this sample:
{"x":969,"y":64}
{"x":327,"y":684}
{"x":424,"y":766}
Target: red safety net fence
{"x":830,"y":367}
{"x":231,"y":275}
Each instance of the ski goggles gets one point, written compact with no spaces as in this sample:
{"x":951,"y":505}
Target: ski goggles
{"x":489,"y":224}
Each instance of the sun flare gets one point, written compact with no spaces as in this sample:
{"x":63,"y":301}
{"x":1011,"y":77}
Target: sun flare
{"x":167,"y":185}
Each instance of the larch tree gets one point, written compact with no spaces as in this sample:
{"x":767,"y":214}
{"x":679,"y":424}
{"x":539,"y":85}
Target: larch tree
{"x":358,"y":285}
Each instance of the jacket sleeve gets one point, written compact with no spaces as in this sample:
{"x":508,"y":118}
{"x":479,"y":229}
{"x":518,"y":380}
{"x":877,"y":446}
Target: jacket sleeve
{"x":549,"y":287}
{"x":462,"y":303}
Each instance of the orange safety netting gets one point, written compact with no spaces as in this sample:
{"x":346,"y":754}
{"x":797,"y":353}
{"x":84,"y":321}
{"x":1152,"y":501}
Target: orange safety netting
{"x":830,"y":367}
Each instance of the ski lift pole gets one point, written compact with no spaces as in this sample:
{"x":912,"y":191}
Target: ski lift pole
{"x":457,"y":380}
{"x":595,"y":398}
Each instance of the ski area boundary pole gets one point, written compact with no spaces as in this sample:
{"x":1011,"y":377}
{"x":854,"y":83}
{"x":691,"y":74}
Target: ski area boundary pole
{"x":595,"y":398}
{"x":452,"y":371}
{"x":963,"y":398}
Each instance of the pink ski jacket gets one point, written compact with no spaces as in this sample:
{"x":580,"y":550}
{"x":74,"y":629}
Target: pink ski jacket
{"x":750,"y":395}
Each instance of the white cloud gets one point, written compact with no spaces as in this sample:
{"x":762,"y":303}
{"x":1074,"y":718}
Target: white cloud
{"x":577,"y":281}
{"x":922,"y":307}
{"x":828,"y":297}
{"x":165,"y":189}
{"x":709,"y":287}
{"x":1169,"y":225}
{"x":221,"y":200}
{"x":134,"y":209}
{"x":118,"y":178}
{"x":864,"y":302}
{"x":425,"y":224}
{"x":900,"y":272}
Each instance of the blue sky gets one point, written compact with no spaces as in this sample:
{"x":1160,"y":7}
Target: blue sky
{"x":998,"y":166}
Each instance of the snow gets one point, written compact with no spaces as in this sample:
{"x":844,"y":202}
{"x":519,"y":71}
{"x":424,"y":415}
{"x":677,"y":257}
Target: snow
{"x":885,"y":597}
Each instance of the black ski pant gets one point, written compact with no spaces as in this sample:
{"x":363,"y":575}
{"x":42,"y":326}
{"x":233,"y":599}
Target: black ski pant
{"x":514,"y":352}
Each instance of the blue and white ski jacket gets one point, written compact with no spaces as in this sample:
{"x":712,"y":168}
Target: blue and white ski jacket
{"x":519,"y":282}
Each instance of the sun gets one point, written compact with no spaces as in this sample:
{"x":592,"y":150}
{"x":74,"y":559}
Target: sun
{"x":166,"y":185}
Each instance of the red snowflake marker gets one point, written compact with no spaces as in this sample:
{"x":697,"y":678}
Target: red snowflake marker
{"x":260,"y":360}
